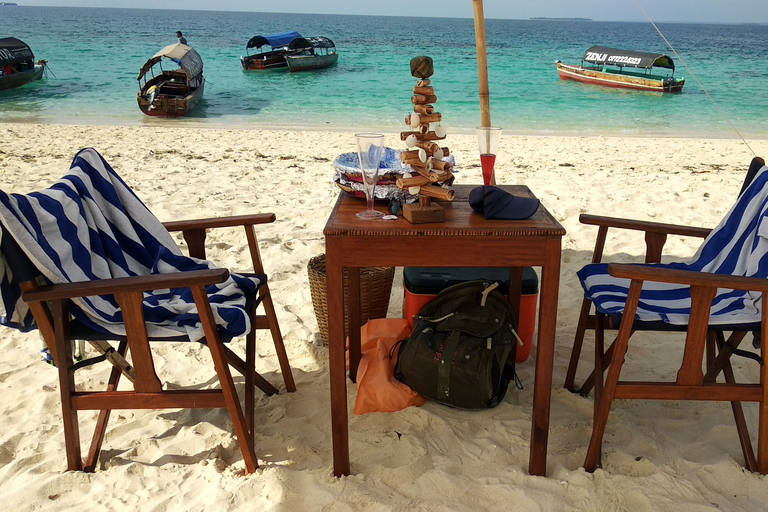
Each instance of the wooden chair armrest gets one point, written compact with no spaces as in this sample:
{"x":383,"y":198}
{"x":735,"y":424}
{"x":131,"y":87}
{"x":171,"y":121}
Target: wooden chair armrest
{"x":194,"y":232}
{"x":642,"y":225}
{"x":127,"y":285}
{"x":687,"y":277}
{"x":220,"y":222}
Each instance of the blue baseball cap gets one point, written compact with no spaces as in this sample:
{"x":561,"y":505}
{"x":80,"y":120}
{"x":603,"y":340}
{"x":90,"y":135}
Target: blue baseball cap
{"x":496,"y":203}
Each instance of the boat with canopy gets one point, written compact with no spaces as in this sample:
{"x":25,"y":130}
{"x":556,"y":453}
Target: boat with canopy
{"x":17,"y":64}
{"x":311,"y":53}
{"x":272,"y":51}
{"x":175,"y":92}
{"x":624,"y":69}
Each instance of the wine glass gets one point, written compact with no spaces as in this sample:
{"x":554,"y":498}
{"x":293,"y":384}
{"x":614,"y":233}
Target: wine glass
{"x":370,"y":147}
{"x":488,"y":141}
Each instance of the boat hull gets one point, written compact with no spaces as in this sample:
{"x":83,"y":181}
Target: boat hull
{"x":172,"y":105}
{"x":258,"y":62}
{"x":620,"y":81}
{"x":19,"y":79}
{"x":307,"y":62}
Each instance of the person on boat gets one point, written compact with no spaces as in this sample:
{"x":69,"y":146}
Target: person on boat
{"x":181,"y":38}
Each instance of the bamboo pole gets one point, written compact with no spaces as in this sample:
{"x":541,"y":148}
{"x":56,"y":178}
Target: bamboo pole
{"x":482,"y":69}
{"x":482,"y":63}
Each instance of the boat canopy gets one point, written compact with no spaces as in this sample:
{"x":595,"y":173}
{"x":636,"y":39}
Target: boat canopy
{"x":187,"y":58}
{"x":275,"y":40}
{"x":13,"y":51}
{"x":305,"y":43}
{"x":613,"y":57}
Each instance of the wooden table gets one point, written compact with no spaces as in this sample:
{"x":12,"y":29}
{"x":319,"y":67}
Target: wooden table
{"x":465,"y":239}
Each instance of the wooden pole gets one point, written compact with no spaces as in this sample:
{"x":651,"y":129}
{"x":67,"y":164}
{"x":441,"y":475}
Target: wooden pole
{"x":482,"y":63}
{"x":482,"y":69}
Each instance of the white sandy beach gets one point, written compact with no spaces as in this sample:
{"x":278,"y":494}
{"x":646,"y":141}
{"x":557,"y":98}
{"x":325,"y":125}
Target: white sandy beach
{"x":657,"y":455}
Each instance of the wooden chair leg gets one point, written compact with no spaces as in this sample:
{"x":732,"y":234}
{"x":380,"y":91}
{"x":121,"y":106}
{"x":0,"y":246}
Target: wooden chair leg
{"x":750,"y":462}
{"x":762,"y":426}
{"x":597,"y":374}
{"x":590,"y":381}
{"x":244,"y":438}
{"x":101,"y":423}
{"x":722,"y":363}
{"x":713,"y":370}
{"x":593,"y":457}
{"x":250,"y":380}
{"x":277,"y":337}
{"x":578,"y":342}
{"x":602,"y":409}
{"x":600,"y":360}
{"x":218,"y":354}
{"x":241,"y":366}
{"x":64,"y":364}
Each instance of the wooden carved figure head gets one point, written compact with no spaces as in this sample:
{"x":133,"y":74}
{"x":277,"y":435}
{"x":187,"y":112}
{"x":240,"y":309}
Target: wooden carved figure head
{"x":421,"y":67}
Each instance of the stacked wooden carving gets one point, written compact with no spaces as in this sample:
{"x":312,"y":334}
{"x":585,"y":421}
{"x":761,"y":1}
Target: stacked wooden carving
{"x":424,"y":155}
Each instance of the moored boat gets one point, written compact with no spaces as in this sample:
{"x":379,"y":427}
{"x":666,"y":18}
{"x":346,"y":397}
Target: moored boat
{"x":311,"y":53}
{"x":624,"y":69}
{"x":17,"y":64}
{"x":272,"y":51}
{"x":171,"y":93}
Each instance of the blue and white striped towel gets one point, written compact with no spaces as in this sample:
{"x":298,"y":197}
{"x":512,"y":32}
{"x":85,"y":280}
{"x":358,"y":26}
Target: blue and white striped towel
{"x":90,"y":225}
{"x":737,"y":246}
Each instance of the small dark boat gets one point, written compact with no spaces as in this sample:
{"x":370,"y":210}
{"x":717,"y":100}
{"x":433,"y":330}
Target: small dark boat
{"x":311,"y":53}
{"x":17,"y":64}
{"x":171,"y":93}
{"x":624,"y":69}
{"x":272,"y":51}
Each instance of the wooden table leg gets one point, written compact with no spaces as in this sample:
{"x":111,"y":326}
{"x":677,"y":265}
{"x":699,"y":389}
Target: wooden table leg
{"x":545,"y":355}
{"x":336,"y":359}
{"x":515,"y":290}
{"x":353,"y":301}
{"x":514,"y":297}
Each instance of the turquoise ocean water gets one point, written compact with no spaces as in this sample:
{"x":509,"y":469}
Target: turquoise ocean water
{"x":95,"y":55}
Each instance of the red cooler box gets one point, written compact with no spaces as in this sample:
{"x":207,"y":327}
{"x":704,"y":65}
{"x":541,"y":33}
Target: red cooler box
{"x":421,"y":284}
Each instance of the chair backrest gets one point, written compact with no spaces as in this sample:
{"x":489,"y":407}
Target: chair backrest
{"x":21,"y":266}
{"x":735,"y":247}
{"x":754,"y":166}
{"x":90,"y":226}
{"x":24,"y":277}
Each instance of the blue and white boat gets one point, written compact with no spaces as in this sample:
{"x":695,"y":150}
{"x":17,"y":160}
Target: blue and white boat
{"x":272,"y":51}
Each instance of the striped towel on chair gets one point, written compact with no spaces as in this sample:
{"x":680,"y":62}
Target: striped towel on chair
{"x":90,"y":225}
{"x":737,"y":246}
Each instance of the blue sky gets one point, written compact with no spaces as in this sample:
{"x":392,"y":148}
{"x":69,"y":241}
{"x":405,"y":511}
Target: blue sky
{"x":706,"y":11}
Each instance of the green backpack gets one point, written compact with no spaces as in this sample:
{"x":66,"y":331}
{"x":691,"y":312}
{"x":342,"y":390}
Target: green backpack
{"x":462,"y":349}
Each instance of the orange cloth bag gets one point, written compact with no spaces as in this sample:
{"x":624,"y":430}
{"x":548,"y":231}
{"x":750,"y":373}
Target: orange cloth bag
{"x":377,"y":388}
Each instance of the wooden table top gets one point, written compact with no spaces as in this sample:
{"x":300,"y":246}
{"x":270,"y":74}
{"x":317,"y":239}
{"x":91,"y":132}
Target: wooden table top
{"x":460,"y":219}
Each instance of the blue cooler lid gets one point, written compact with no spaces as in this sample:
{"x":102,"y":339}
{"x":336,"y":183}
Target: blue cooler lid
{"x":431,"y":280}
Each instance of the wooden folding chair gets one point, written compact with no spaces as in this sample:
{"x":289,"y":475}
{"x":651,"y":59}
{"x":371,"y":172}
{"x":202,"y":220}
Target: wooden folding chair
{"x":656,"y":234}
{"x":692,"y":382}
{"x":49,"y":306}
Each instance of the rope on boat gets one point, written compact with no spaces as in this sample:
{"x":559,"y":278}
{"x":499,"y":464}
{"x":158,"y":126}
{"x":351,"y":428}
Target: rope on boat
{"x":696,"y":79}
{"x":48,"y":70}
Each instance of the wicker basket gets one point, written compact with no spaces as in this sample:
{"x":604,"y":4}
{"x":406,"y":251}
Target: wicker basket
{"x":375,"y":288}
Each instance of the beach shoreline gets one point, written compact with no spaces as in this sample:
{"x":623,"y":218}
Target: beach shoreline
{"x":391,"y":128}
{"x":657,"y":455}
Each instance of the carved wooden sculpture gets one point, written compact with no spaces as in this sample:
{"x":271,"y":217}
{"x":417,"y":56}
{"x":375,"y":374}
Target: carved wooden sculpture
{"x":424,"y":155}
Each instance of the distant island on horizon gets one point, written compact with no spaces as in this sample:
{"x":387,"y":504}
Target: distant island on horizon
{"x":561,"y":19}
